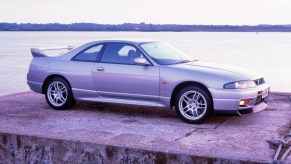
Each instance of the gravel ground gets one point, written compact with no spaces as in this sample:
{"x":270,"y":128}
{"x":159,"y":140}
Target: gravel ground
{"x":230,"y":137}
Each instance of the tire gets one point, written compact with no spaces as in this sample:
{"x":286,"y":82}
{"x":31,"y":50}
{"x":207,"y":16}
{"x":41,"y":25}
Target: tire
{"x":58,"y":94}
{"x":197,"y":104}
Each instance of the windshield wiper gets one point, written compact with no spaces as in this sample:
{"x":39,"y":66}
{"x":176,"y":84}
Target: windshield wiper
{"x":183,"y":61}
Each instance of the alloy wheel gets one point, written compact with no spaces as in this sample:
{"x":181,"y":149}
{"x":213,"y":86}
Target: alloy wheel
{"x":57,"y":93}
{"x":192,"y":105}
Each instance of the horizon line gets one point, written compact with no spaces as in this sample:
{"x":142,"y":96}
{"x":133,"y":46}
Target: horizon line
{"x":262,"y":24}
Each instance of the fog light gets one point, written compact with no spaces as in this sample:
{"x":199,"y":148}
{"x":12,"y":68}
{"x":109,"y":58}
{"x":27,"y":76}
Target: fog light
{"x":244,"y":102}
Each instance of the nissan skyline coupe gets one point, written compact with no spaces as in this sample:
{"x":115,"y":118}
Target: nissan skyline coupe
{"x":148,"y":73}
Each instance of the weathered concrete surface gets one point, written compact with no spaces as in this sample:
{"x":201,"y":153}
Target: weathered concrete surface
{"x":31,"y":131}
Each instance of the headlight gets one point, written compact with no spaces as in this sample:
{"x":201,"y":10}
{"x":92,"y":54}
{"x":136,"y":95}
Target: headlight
{"x":240,"y":84}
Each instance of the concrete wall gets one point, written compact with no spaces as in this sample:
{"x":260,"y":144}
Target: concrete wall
{"x":29,"y":149}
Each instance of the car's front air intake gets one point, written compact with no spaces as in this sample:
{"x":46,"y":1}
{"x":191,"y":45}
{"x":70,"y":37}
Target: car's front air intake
{"x":259,"y":81}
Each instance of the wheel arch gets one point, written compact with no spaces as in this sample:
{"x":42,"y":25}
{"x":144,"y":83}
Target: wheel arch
{"x":185,"y":84}
{"x":51,"y":77}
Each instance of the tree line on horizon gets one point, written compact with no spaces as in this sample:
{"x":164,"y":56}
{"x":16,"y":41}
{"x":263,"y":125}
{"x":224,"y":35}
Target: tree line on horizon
{"x":141,"y":27}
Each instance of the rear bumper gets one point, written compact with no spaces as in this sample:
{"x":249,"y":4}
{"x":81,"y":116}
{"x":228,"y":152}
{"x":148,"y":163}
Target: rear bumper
{"x":228,"y":100}
{"x":34,"y":86}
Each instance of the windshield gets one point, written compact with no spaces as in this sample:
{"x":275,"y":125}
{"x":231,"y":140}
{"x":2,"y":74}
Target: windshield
{"x":164,"y":53}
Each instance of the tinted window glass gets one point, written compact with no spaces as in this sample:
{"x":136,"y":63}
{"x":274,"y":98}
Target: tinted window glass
{"x":90,"y":54}
{"x":124,"y":51}
{"x":164,"y":53}
{"x":120,"y":53}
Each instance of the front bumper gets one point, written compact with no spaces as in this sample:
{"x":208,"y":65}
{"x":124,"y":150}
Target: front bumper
{"x":228,"y":100}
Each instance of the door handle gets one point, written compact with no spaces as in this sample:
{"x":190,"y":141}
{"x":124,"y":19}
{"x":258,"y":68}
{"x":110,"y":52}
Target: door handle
{"x":100,"y":69}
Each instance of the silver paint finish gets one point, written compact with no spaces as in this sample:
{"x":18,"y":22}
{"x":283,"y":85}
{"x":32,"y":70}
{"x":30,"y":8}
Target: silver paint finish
{"x":151,"y":85}
{"x":125,"y":81}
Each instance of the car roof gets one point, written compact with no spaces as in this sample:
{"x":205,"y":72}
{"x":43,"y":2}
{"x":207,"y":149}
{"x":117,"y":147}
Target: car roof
{"x":133,"y":41}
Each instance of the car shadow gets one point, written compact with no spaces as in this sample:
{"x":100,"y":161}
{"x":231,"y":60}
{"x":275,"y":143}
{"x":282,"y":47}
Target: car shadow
{"x":147,"y":112}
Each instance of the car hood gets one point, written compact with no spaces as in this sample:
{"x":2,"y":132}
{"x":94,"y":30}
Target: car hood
{"x":240,"y":73}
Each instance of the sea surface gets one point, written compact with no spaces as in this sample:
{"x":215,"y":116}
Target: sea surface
{"x":266,"y":53}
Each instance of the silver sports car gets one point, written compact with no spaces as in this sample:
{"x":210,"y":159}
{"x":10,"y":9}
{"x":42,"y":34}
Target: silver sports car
{"x":149,"y":73}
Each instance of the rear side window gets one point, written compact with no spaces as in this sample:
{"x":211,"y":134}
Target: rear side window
{"x":90,"y":54}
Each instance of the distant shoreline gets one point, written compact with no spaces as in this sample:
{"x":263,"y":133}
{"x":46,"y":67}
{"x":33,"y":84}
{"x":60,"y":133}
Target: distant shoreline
{"x":141,"y":27}
{"x":142,"y":31}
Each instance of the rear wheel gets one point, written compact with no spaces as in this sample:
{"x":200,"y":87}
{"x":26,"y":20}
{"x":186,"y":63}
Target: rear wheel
{"x":193,"y":104}
{"x":59,"y":94}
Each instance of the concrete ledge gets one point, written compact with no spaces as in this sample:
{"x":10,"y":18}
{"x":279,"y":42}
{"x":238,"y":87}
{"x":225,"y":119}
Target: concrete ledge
{"x":104,"y":133}
{"x":31,"y":149}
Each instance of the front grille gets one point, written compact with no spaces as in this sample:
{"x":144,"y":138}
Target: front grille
{"x":259,"y":81}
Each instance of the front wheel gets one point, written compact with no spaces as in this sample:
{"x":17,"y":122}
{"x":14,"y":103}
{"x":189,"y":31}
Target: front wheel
{"x":193,"y":104}
{"x":59,"y":94}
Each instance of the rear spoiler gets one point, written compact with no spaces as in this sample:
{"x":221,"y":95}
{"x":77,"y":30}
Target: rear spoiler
{"x":40,"y":52}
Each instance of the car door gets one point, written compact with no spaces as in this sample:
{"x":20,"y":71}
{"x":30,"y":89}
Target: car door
{"x":116,"y":76}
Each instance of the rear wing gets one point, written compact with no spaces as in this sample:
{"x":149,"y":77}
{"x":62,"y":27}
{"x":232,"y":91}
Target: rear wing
{"x":41,"y":52}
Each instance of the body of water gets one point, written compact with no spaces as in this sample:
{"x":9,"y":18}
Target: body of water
{"x":266,"y":53}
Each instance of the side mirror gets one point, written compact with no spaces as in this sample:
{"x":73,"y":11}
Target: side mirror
{"x":141,"y":61}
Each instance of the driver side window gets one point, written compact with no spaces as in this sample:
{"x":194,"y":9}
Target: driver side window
{"x":120,"y":53}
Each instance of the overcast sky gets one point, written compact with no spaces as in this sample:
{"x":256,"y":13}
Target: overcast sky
{"x":217,"y":12}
